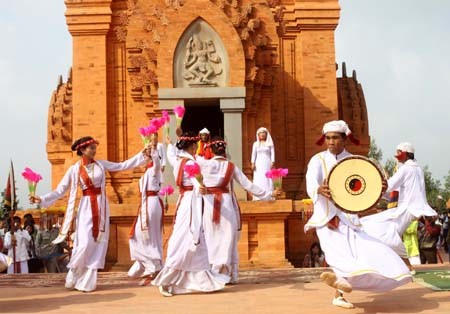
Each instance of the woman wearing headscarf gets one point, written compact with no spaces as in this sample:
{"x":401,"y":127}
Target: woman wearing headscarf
{"x":263,"y":159}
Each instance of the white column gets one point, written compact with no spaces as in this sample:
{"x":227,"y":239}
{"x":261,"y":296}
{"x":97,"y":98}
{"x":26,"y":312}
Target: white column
{"x":232,"y":119}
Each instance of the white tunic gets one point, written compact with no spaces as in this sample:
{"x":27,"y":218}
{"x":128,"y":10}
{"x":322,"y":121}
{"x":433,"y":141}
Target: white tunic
{"x":221,"y":239}
{"x":22,"y":239}
{"x":146,"y":244}
{"x":364,"y":262}
{"x":88,"y":255}
{"x":262,"y":156}
{"x":389,"y":225}
{"x":187,"y":267}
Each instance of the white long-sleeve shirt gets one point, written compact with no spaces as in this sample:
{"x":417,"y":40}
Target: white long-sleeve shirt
{"x":22,"y":238}
{"x":324,"y":210}
{"x":409,"y":181}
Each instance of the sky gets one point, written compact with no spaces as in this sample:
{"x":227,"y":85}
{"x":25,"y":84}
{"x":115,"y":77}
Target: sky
{"x":399,"y":50}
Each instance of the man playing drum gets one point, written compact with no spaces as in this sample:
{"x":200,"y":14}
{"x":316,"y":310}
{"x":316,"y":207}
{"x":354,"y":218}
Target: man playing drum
{"x":358,"y":261}
{"x":389,"y":225}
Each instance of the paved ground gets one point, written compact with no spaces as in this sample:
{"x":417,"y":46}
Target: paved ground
{"x":263,"y":291}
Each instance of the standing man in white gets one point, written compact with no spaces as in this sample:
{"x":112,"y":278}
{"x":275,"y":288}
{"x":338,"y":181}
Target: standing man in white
{"x":20,"y":241}
{"x":389,"y":225}
{"x":358,"y":260}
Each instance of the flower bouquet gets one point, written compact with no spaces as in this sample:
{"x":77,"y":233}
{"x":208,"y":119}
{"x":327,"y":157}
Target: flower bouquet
{"x":33,"y":178}
{"x":179,"y":113}
{"x":277,"y":176}
{"x":193,"y":171}
{"x":146,"y":133}
{"x":165,"y":192}
{"x":166,"y":119}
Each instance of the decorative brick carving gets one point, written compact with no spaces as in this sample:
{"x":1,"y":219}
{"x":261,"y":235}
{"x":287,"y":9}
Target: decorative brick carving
{"x":60,"y":113}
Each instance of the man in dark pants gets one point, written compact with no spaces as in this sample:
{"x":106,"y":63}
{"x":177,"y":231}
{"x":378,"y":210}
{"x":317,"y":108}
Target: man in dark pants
{"x":428,"y":239}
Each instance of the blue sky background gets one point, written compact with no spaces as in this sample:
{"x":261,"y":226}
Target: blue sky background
{"x":400,"y":50}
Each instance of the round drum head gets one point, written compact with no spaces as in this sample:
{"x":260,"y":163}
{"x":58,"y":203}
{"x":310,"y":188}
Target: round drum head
{"x":355,"y":183}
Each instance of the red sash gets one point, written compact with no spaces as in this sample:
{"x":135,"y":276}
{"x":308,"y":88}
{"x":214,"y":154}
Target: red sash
{"x":92,"y":192}
{"x":219,"y":190}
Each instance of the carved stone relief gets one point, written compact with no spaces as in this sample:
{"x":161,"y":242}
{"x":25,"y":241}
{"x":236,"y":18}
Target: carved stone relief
{"x":200,"y":59}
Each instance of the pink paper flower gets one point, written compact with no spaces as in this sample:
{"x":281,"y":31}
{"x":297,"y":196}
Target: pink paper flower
{"x":192,"y":170}
{"x":167,"y":190}
{"x":143,"y":131}
{"x":284,"y":172}
{"x":31,"y":176}
{"x":166,"y":116}
{"x":179,"y":111}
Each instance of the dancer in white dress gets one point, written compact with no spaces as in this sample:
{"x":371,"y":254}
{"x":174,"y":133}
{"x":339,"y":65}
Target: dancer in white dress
{"x":146,"y":232}
{"x":92,"y":221}
{"x":263,"y":159}
{"x":187,"y":268}
{"x":389,"y":225}
{"x":358,"y":260}
{"x":221,"y":217}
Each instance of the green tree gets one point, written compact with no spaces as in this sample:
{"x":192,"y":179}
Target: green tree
{"x":446,"y":188}
{"x":432,"y":187}
{"x":374,"y":151}
{"x":390,"y":167}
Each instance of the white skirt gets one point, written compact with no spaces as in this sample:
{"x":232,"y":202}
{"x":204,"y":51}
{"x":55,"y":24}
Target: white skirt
{"x":364,"y":262}
{"x":388,"y":227}
{"x":222,"y":238}
{"x":187,"y":267}
{"x":146,"y":245}
{"x":82,"y":279}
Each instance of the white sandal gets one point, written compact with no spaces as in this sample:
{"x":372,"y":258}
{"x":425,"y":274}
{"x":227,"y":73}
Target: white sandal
{"x":164,"y":292}
{"x":341,"y":302}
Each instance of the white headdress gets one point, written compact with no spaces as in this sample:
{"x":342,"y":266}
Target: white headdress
{"x":204,"y":131}
{"x":338,"y":126}
{"x":406,"y":147}
{"x":269,"y":141}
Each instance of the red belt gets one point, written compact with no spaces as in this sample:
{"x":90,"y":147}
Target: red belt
{"x":186,"y":189}
{"x":151,"y":193}
{"x":92,"y":192}
{"x":217,"y":191}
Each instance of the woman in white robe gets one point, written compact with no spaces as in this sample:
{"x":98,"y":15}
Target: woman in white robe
{"x":146,"y":232}
{"x":263,"y":159}
{"x":221,"y":217}
{"x":358,"y":260}
{"x":187,"y":268}
{"x":92,"y":221}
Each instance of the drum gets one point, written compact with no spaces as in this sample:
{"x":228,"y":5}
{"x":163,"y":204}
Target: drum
{"x":356,"y":184}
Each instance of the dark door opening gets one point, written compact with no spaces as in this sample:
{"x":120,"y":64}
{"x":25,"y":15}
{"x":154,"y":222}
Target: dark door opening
{"x":203,"y":113}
